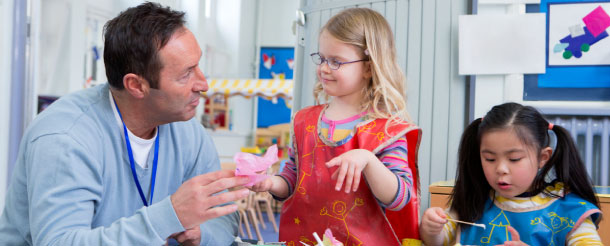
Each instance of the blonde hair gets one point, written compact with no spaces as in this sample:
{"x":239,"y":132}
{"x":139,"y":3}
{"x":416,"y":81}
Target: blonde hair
{"x":368,"y":30}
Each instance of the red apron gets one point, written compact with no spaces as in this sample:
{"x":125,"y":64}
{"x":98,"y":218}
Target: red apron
{"x":355,"y":218}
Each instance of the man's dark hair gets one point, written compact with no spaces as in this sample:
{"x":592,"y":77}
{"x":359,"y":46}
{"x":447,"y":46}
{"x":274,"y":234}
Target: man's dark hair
{"x":132,"y":41}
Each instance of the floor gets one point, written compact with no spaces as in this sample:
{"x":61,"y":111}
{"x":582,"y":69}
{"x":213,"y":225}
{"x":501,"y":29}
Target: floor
{"x":269,"y":235}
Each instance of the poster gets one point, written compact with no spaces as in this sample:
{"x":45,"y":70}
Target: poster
{"x":577,"y":34}
{"x":588,"y":65}
{"x":583,"y":74}
{"x":274,"y":63}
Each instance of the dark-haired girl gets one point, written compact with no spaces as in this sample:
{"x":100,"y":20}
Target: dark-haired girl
{"x":511,"y":180}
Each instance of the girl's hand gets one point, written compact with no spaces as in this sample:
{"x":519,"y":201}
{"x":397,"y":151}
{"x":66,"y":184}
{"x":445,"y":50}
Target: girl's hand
{"x":431,"y":226}
{"x":433,"y":221}
{"x":516,"y":239}
{"x":351,"y":164}
{"x":262,"y":186}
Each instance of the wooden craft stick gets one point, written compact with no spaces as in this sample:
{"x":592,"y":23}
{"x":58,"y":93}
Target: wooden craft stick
{"x":315,"y":235}
{"x":469,"y":223}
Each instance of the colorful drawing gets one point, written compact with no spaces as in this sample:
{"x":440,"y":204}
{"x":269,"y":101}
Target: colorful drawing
{"x":557,"y":224}
{"x":500,"y":221}
{"x":580,"y":44}
{"x":311,"y":130}
{"x":340,"y":212}
{"x":579,"y":41}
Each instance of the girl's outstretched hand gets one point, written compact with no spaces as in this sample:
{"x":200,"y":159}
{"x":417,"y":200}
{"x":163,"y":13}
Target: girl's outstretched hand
{"x":351,"y":164}
{"x":262,"y":186}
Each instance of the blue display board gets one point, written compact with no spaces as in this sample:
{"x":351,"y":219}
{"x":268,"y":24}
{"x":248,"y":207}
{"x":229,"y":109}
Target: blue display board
{"x":274,"y":62}
{"x":578,"y":59}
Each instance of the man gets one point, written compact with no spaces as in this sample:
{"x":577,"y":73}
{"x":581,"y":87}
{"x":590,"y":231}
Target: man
{"x":126,"y":163}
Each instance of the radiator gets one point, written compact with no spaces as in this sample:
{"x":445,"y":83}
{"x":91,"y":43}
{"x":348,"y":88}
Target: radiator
{"x":592,"y":136}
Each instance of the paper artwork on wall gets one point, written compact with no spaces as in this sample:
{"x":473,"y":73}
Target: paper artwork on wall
{"x":502,"y":44}
{"x":268,"y":61}
{"x":290,"y":63}
{"x":577,"y":31}
{"x":589,"y":46}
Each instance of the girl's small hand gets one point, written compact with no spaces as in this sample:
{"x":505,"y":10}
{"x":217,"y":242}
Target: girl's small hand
{"x":516,"y":239}
{"x":262,"y":186}
{"x":351,"y":164}
{"x":433,"y":221}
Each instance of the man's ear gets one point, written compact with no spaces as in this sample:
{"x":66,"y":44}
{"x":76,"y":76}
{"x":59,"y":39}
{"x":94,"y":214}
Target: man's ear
{"x":136,"y":85}
{"x":545,"y":156}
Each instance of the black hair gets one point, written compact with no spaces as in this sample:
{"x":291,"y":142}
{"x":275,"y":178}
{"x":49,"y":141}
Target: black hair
{"x":472,"y":190}
{"x":132,"y":41}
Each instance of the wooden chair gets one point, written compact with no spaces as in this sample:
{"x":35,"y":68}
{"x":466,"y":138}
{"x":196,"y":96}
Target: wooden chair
{"x":247,"y":213}
{"x":266,"y":199}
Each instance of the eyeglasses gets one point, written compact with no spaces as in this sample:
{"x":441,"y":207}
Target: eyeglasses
{"x":332,"y":62}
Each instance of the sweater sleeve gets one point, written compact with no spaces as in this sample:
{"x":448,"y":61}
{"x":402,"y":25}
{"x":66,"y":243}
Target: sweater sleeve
{"x":289,"y":173}
{"x":221,"y":230}
{"x":394,"y":157}
{"x":64,"y":183}
{"x":450,"y":229}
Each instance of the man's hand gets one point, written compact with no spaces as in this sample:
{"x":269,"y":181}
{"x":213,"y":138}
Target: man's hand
{"x":195,"y":200}
{"x":190,"y":237}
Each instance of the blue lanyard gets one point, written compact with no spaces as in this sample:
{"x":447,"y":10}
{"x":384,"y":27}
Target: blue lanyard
{"x":132,"y":162}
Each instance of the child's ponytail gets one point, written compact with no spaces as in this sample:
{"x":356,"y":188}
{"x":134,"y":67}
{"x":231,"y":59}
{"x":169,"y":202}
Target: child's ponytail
{"x":569,"y":168}
{"x":471,"y":188}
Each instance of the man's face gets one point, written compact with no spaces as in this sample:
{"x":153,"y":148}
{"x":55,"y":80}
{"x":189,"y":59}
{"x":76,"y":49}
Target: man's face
{"x":180,"y":79}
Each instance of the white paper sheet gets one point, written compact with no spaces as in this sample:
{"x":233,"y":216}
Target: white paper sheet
{"x":502,"y":44}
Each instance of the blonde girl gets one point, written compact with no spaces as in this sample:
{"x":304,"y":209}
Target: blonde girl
{"x":351,"y":155}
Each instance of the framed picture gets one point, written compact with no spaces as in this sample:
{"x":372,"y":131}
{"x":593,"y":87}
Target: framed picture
{"x":577,"y":52}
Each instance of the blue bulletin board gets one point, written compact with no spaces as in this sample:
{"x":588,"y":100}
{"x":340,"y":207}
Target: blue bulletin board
{"x":274,"y":63}
{"x":577,"y":52}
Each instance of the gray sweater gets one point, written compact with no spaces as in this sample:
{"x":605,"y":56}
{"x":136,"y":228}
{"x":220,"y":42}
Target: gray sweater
{"x":72,"y":183}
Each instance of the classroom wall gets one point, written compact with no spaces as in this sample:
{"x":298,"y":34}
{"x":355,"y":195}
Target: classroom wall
{"x":6,"y":8}
{"x":233,"y":45}
{"x":276,"y":21}
{"x":426,"y":41}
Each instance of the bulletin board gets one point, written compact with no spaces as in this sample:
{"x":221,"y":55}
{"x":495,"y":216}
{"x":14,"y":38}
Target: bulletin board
{"x":274,"y":63}
{"x":577,"y":52}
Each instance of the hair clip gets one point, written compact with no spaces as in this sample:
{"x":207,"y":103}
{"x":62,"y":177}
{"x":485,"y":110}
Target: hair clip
{"x":551,"y":126}
{"x":366,"y":52}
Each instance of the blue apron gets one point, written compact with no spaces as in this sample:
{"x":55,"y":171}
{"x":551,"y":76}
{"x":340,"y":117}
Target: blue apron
{"x":546,"y":226}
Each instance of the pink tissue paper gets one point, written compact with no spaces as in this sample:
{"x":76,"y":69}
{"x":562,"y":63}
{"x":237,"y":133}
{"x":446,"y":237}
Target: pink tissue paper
{"x":252,"y":166}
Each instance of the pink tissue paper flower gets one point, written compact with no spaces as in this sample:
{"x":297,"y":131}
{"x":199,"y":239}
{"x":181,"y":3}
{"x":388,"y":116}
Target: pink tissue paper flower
{"x":251,"y":165}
